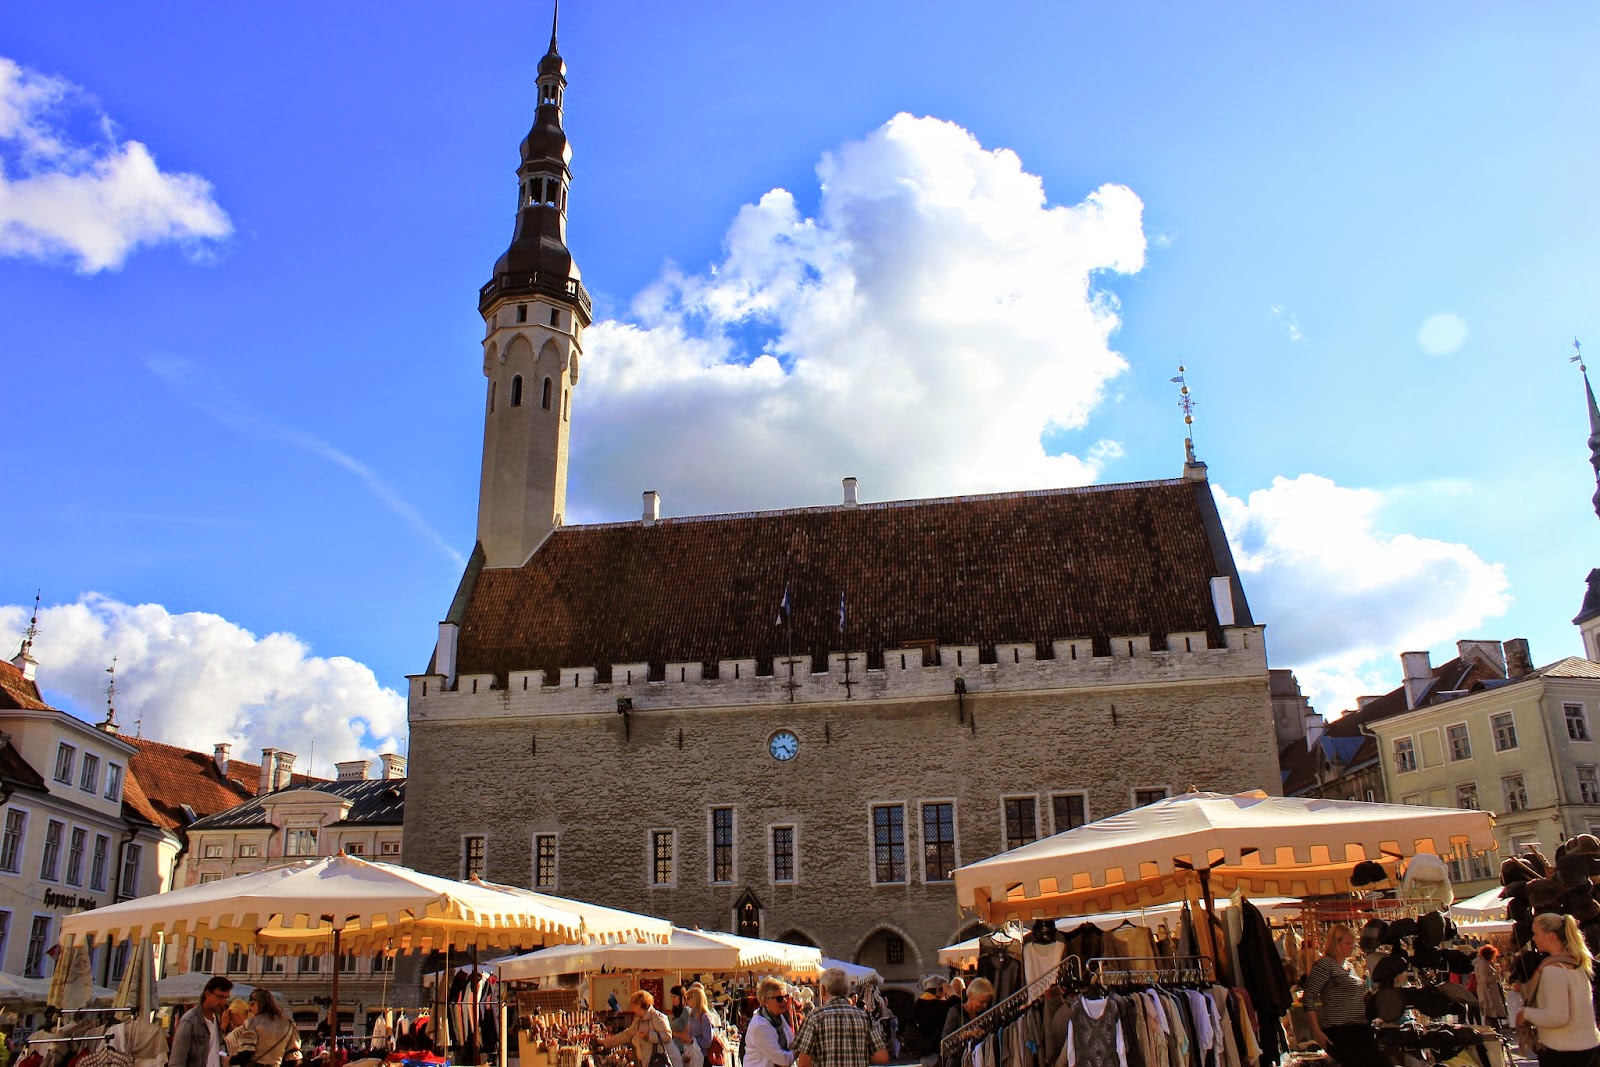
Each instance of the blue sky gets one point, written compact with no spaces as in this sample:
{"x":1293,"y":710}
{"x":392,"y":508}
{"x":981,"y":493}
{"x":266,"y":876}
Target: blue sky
{"x":243,"y":384}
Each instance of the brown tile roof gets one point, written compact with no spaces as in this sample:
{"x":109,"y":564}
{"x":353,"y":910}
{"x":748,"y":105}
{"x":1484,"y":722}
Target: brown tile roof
{"x":18,"y":773}
{"x":164,"y":777}
{"x":17,"y":692}
{"x":1100,"y":562}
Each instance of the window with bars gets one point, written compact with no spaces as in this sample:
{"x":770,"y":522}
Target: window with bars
{"x":1516,"y":792}
{"x":783,"y":854}
{"x":661,"y":850}
{"x":1460,"y":742}
{"x":544,"y":861}
{"x":75,"y":845}
{"x":894,"y":949}
{"x":1577,"y":722}
{"x":473,"y":847}
{"x":889,"y":843}
{"x":50,"y":861}
{"x":1588,"y":784}
{"x":1405,"y":755}
{"x":938,"y":841}
{"x":722,"y":844}
{"x":1022,"y":821}
{"x":11,"y":841}
{"x":1504,"y":726}
{"x":1141,"y":797}
{"x":1069,"y":810}
{"x":1467,"y":796}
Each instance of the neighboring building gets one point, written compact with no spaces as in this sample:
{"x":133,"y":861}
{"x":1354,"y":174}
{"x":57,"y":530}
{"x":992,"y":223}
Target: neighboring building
{"x":612,"y":714}
{"x":295,"y":818}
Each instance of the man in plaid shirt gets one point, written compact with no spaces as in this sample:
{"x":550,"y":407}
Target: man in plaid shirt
{"x":838,"y":1034}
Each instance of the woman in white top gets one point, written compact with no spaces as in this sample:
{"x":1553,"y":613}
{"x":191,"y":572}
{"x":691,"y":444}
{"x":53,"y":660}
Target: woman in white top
{"x":1560,"y":1001}
{"x":769,"y":1039}
{"x":650,"y":1033}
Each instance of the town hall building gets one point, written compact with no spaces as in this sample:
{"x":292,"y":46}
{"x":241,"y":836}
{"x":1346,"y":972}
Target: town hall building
{"x":798,"y":723}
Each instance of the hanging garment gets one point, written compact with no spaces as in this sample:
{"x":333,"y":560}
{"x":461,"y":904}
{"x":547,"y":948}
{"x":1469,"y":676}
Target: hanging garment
{"x":1095,"y":1037}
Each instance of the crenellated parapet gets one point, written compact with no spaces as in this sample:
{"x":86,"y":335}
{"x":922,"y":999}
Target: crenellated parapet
{"x":905,"y":674}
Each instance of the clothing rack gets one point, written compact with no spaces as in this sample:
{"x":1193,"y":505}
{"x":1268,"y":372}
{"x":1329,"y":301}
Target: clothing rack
{"x":1152,"y":969}
{"x":1069,"y":969}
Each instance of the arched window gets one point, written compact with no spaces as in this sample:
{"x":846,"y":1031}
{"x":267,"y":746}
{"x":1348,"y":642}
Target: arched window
{"x":516,"y":391}
{"x":545,"y":402}
{"x":491,"y":398}
{"x":566,"y":404}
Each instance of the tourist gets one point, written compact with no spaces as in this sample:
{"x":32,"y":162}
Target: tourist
{"x":650,"y":1034}
{"x":837,"y":1033}
{"x":198,"y":1040}
{"x":769,"y":1041}
{"x":1336,"y":1004}
{"x":1559,"y":997}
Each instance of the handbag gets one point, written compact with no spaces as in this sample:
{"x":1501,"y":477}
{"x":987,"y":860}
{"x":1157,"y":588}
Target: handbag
{"x":716,"y":1051}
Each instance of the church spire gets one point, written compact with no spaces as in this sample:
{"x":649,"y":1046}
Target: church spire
{"x":1594,"y":422}
{"x":555,"y":17}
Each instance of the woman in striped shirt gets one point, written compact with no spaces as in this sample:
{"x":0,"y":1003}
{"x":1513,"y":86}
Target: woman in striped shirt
{"x":1336,"y":1004}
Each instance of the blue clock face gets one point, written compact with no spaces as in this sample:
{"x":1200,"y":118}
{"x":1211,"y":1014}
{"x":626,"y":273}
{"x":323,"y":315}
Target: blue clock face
{"x":783,"y":745}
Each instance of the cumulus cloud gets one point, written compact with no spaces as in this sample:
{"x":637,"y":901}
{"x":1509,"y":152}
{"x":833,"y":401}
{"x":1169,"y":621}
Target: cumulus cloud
{"x":1342,"y":596}
{"x":89,"y":203}
{"x":924,"y":330}
{"x":195,"y":679}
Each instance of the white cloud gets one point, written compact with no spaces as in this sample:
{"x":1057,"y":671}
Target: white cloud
{"x":1442,"y":334}
{"x":196,"y":679}
{"x":1291,"y":323}
{"x":91,"y":204}
{"x":922,"y":331}
{"x":1341,"y":597}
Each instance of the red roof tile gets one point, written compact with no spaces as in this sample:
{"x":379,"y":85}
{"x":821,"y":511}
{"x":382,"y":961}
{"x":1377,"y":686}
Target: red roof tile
{"x":17,"y":692}
{"x":162,"y":778}
{"x":1100,"y":562}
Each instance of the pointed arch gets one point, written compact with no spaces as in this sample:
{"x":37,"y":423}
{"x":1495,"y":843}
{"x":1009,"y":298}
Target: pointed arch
{"x":551,"y":351}
{"x":795,"y":936}
{"x":864,"y":947}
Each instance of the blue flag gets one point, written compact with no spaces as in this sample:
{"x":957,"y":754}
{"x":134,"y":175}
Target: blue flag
{"x":783,"y":607}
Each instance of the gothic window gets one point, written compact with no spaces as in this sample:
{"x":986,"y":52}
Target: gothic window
{"x":938,"y":841}
{"x":516,"y":391}
{"x":491,"y":397}
{"x":1022,"y":821}
{"x":555,"y":316}
{"x":722,"y":844}
{"x":545,"y":402}
{"x":889,"y":843}
{"x":566,"y":405}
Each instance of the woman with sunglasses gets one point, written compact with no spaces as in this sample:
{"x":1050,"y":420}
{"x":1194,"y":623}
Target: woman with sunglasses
{"x":769,"y":1042}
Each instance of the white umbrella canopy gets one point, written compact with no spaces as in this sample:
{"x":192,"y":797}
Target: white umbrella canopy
{"x":186,"y":988}
{"x":686,"y":950}
{"x":348,"y":904}
{"x":1488,"y":904}
{"x":859,"y":974}
{"x":1280,"y":846}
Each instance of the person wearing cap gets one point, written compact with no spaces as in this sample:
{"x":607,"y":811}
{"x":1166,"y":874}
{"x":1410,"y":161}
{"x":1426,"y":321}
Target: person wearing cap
{"x":1336,"y":1004}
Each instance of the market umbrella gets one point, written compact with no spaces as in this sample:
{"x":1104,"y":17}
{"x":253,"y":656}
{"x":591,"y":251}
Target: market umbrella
{"x":857,"y":973}
{"x":686,"y":950}
{"x":1488,"y":904}
{"x":1280,"y":846}
{"x":186,"y":988}
{"x":137,"y":990}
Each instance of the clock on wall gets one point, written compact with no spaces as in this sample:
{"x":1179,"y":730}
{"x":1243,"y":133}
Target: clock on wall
{"x":783,"y":745}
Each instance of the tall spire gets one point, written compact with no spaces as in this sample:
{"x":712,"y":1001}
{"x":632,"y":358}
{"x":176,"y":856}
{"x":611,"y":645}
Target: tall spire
{"x":24,"y":660}
{"x":1192,"y":468}
{"x":555,"y":17}
{"x":1594,"y":421}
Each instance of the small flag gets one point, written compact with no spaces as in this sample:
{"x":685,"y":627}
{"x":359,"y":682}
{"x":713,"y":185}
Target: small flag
{"x":783,"y":607}
{"x":841,"y":611}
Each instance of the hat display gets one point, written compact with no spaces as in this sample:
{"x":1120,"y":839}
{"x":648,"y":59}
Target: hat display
{"x":1368,"y":873}
{"x":1372,"y":934}
{"x":1544,"y":894}
{"x":1389,"y":968}
{"x":1399,"y":930}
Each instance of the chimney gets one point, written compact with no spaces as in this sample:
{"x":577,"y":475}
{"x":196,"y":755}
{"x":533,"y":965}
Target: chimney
{"x":394,"y":765}
{"x":850,"y":492}
{"x":25,"y":663}
{"x":1362,"y":702}
{"x":1519,"y":661}
{"x":444,"y":653}
{"x":354,"y":770}
{"x":1222,"y":599}
{"x":1487,"y":653}
{"x":282,"y":769}
{"x":1315,"y":727}
{"x":1418,"y":671}
{"x":652,"y":507}
{"x":219,"y":756}
{"x":269,"y":770}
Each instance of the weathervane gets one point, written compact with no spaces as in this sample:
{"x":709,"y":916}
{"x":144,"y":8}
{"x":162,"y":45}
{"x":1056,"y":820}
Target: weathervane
{"x":1594,"y":420}
{"x":1578,"y":359}
{"x":110,"y":725}
{"x":1185,"y":405}
{"x":32,"y":631}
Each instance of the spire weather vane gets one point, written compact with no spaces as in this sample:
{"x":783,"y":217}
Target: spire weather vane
{"x":32,"y":632}
{"x":1185,"y":405}
{"x":111,"y":694}
{"x":1578,"y":359}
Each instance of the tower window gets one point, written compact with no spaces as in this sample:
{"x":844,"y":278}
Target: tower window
{"x":491,"y":397}
{"x":522,"y":312}
{"x":516,"y":391}
{"x":555,"y":316}
{"x":566,"y":405}
{"x":545,"y":403}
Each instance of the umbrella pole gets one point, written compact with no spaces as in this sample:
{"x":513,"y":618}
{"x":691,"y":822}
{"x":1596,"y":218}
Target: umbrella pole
{"x":1211,"y":911}
{"x":333,"y":1010}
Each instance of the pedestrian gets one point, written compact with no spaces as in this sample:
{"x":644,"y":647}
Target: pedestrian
{"x":703,"y":1027}
{"x":1559,"y":1006}
{"x":979,"y":995}
{"x":837,"y":1033}
{"x":1491,"y":994}
{"x":1336,"y":1004}
{"x":769,"y":1041}
{"x":678,"y":1016}
{"x":277,"y":1037}
{"x":650,"y":1034}
{"x":198,"y":1040}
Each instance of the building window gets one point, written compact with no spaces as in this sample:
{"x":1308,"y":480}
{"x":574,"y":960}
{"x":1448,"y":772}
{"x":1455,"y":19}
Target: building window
{"x":1405,"y":755}
{"x":75,"y":845}
{"x":5,"y":932}
{"x":722,"y":844}
{"x":38,"y":941}
{"x":97,"y":863}
{"x":65,"y":754}
{"x":516,"y":391}
{"x":209,"y":877}
{"x":889,"y":843}
{"x":1022,"y":821}
{"x":555,"y":317}
{"x":894,"y":949}
{"x":274,"y":964}
{"x":11,"y":841}
{"x":1467,"y":796}
{"x":522,"y":312}
{"x":1069,"y":810}
{"x":1460,"y":744}
{"x":545,"y":400}
{"x":113,"y":782}
{"x":1505,"y":731}
{"x":238,"y":959}
{"x":382,"y":964}
{"x":310,"y":964}
{"x":204,"y":961}
{"x":661,"y":857}
{"x":213,"y":851}
{"x":1414,"y":799}
{"x":129,"y":887}
{"x":1141,"y":797}
{"x":1516,"y":792}
{"x":119,"y":960}
{"x":50,"y":862}
{"x":472,"y":853}
{"x":300,"y":842}
{"x":938,"y":841}
{"x":1588,"y":784}
{"x":389,"y":848}
{"x":89,"y":776}
{"x":783,"y":854}
{"x":544,"y":861}
{"x":1577,"y":722}
{"x":355,"y":848}
{"x":347,"y":963}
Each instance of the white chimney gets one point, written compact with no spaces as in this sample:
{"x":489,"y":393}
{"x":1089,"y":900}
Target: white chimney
{"x":282,"y":769}
{"x":269,"y":770}
{"x":850,"y":492}
{"x":354,"y":770}
{"x":444,"y":653}
{"x":1222,"y":599}
{"x":219,"y":756}
{"x":394,"y":765}
{"x":25,"y":663}
{"x":652,"y":507}
{"x":1418,"y":671}
{"x":1315,"y":727}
